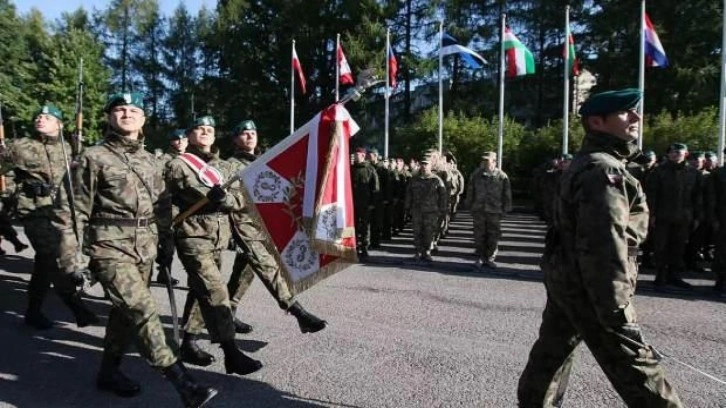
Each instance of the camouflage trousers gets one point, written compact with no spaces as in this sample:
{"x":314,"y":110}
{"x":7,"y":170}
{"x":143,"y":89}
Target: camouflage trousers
{"x":487,"y":232}
{"x":363,"y":227}
{"x":424,"y":227}
{"x":256,"y":259}
{"x":670,"y":239}
{"x":569,"y":319}
{"x":134,"y":315}
{"x":207,"y":302}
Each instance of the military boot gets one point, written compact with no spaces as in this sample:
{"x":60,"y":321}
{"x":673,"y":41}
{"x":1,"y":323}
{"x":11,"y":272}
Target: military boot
{"x":110,"y":378}
{"x":308,"y":322}
{"x":240,"y":326}
{"x":84,"y":316}
{"x":164,"y":276}
{"x":191,"y":353}
{"x":34,"y":317}
{"x":193,"y":394}
{"x":236,"y":362}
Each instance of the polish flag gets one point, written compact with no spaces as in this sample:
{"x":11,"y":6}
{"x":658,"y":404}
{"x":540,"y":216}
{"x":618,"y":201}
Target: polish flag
{"x":346,"y":76}
{"x":298,"y":69}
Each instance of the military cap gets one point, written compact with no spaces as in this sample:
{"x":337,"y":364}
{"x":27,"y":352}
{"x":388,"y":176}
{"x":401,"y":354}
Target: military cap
{"x":489,"y":156}
{"x":711,"y":155}
{"x":649,"y":154}
{"x":425,"y":158}
{"x":373,"y":150}
{"x":51,"y":110}
{"x":125,"y":98}
{"x":203,"y":121}
{"x":697,"y":155}
{"x":566,"y":156}
{"x":604,"y":103}
{"x":244,"y":125}
{"x":177,"y":134}
{"x":678,"y":146}
{"x":360,"y":149}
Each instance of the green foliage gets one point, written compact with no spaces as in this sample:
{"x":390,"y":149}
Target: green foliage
{"x":699,"y":131}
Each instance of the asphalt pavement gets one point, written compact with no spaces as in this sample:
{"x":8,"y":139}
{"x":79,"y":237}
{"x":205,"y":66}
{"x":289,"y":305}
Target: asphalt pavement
{"x":400,"y":334}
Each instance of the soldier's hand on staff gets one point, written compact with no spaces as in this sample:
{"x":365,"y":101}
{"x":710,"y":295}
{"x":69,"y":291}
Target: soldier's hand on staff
{"x":216,"y":194}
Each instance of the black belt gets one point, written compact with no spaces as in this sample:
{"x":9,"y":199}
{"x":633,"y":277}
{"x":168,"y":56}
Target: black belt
{"x":124,"y":222}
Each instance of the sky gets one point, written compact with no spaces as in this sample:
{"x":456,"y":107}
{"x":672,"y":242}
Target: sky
{"x":53,"y":9}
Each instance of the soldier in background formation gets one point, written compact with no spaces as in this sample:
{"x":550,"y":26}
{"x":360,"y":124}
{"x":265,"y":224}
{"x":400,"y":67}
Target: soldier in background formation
{"x":716,"y":218}
{"x":8,"y":204}
{"x":380,"y":226}
{"x":489,"y":196}
{"x":365,"y":185}
{"x":426,"y":200}
{"x":402,"y":177}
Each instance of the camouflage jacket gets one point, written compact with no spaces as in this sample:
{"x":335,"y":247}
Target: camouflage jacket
{"x":601,"y":216}
{"x":39,"y":169}
{"x":460,"y":183}
{"x":116,"y":180}
{"x":365,"y":184}
{"x":244,"y":222}
{"x":211,"y":222}
{"x":164,"y":209}
{"x":385,"y":184}
{"x":426,"y":194}
{"x":489,"y":192}
{"x":675,"y":193}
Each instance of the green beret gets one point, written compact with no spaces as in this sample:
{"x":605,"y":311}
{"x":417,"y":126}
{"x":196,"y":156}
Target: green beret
{"x":125,"y":98}
{"x":244,"y":125}
{"x":177,"y":134}
{"x":51,"y":110}
{"x":678,"y":146}
{"x":203,"y":121}
{"x":608,"y":102}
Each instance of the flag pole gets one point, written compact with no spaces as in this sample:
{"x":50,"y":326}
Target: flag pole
{"x":500,"y":140}
{"x":292,"y":89}
{"x":566,"y":86}
{"x":337,"y":67}
{"x":722,"y":102}
{"x":641,"y":73}
{"x":388,"y":91}
{"x":441,"y":87}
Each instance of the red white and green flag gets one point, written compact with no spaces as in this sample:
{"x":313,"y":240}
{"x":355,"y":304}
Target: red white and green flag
{"x":570,"y":58}
{"x":520,"y":60}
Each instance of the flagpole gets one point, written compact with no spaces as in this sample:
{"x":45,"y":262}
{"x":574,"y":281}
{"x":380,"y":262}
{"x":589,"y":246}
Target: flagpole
{"x":388,"y":91}
{"x":292,"y":89}
{"x":566,"y":86}
{"x":722,"y":102}
{"x":641,"y":73}
{"x":337,"y":68}
{"x":441,"y":87}
{"x":500,"y":140}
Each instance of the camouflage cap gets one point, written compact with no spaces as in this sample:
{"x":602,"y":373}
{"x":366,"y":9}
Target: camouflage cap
{"x":678,"y":146}
{"x":51,"y":110}
{"x":244,"y":125}
{"x":177,"y":134}
{"x":604,"y":103}
{"x":125,"y":98}
{"x":489,"y":156}
{"x":203,"y":121}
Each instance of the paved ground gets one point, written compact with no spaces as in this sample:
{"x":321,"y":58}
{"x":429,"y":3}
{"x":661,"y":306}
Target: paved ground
{"x":400,"y":335}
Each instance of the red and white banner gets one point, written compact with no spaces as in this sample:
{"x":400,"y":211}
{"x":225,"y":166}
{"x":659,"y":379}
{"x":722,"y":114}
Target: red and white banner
{"x":303,"y":197}
{"x":346,"y":75}
{"x":298,"y":69}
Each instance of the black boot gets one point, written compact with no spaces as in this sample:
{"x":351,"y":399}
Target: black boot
{"x":242,"y":327}
{"x":110,"y":378}
{"x":84,"y":316}
{"x":236,"y":362}
{"x":163,"y":276}
{"x":37,"y":320}
{"x":191,"y":353}
{"x":308,"y":322}
{"x":193,"y":394}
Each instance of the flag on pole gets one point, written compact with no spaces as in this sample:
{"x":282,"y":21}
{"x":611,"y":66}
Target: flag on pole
{"x":346,"y":76}
{"x":392,"y":67}
{"x":298,"y":69}
{"x":303,"y":198}
{"x":655,"y":55}
{"x":449,"y":45}
{"x":570,"y":57}
{"x":520,"y":60}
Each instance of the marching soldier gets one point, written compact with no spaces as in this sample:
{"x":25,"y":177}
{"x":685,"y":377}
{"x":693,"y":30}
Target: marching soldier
{"x":426,"y":198}
{"x":489,"y":197}
{"x":364,"y":179}
{"x":200,"y":240}
{"x":117,"y":185}
{"x":590,"y":267}
{"x":39,"y":164}
{"x":178,"y":143}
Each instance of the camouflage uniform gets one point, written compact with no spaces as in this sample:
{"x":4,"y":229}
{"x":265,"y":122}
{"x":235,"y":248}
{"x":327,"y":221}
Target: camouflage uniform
{"x":165,"y":252}
{"x":365,"y":186}
{"x":489,"y":195}
{"x":426,"y":199}
{"x":717,"y":218}
{"x":399,"y":198}
{"x":460,"y":188}
{"x":590,"y":274}
{"x":380,"y":224}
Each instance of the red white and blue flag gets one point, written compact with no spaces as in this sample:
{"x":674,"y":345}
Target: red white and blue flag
{"x":655,"y":55}
{"x":392,"y":68}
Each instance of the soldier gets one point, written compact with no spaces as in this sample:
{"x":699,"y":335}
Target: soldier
{"x":200,"y":239}
{"x":178,"y":143}
{"x":39,"y":164}
{"x":489,"y":196}
{"x":364,"y":179}
{"x":399,"y":196}
{"x":426,"y":199}
{"x":711,"y":163}
{"x":641,"y":169}
{"x":590,"y":268}
{"x":257,"y":252}
{"x":675,"y":200}
{"x":699,"y":232}
{"x":461,"y":187}
{"x":117,"y":186}
{"x":547,"y":182}
{"x":381,"y":201}
{"x":717,"y":219}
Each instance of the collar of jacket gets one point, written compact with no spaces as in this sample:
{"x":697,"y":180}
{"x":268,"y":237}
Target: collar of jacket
{"x":676,"y":166}
{"x":240,"y":154}
{"x":606,"y":143}
{"x":45,"y":139}
{"x":124,"y":142}
{"x":206,"y":156}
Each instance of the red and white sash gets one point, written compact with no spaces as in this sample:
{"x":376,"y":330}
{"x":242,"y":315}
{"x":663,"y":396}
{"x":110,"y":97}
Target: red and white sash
{"x":208,"y":175}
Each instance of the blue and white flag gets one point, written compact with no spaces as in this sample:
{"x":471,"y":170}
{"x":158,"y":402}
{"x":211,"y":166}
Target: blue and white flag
{"x":449,"y":45}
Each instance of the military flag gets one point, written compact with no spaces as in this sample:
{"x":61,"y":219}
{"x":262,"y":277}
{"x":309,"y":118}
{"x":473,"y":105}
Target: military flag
{"x":303,"y":198}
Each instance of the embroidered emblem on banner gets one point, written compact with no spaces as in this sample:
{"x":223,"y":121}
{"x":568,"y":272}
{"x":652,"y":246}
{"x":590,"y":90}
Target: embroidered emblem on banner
{"x":208,"y":175}
{"x":267,"y":188}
